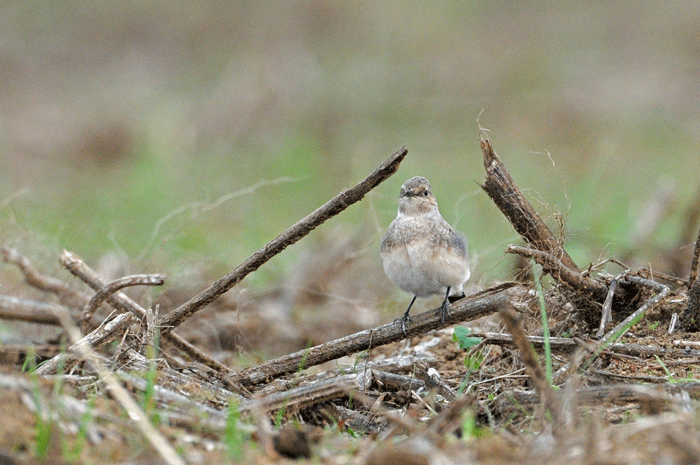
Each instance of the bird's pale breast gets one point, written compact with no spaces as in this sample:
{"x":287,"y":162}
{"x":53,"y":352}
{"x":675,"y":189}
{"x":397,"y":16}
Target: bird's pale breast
{"x":423,"y":255}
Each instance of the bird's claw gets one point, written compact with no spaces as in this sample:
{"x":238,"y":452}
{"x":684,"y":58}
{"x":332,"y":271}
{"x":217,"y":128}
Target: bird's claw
{"x":403,"y":321}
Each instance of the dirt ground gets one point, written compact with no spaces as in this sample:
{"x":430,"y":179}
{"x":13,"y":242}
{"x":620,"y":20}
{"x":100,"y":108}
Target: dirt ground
{"x":632,"y":405}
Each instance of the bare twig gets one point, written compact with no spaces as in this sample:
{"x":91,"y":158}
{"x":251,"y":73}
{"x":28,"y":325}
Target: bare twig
{"x":616,"y":394}
{"x":198,"y":208}
{"x":509,"y":199}
{"x":303,"y":396}
{"x":35,"y":278}
{"x":469,"y":308}
{"x":293,"y":234}
{"x":566,"y":344}
{"x":672,"y":323}
{"x":560,"y":271}
{"x":394,"y":382}
{"x":109,"y":289}
{"x":150,"y":339}
{"x":406,"y":422}
{"x":606,"y":317}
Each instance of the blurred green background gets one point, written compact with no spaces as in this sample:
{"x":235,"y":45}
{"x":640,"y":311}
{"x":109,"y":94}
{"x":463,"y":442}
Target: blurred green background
{"x":139,"y":127}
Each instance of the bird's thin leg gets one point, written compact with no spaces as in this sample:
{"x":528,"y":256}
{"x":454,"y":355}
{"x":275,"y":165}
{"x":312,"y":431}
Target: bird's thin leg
{"x":445,"y":303}
{"x":405,"y":316}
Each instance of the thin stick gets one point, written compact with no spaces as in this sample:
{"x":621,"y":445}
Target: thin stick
{"x":309,"y":394}
{"x":545,"y":324}
{"x":499,"y":185}
{"x":35,"y":278}
{"x":672,"y":323}
{"x":303,"y":227}
{"x":151,"y":335}
{"x":616,"y":394}
{"x":568,"y":345}
{"x":617,"y":332}
{"x":606,"y":316}
{"x":560,"y":271}
{"x":466,"y":309}
{"x":112,"y":287}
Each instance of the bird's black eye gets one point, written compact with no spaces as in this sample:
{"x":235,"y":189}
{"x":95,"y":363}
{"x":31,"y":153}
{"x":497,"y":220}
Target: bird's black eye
{"x":426,"y":193}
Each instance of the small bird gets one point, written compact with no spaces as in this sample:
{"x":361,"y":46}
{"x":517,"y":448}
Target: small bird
{"x":421,"y":253}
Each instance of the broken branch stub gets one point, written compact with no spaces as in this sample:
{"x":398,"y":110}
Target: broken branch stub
{"x":690,"y":318}
{"x":499,"y":185}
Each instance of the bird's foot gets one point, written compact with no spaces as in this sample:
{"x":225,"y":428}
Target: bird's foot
{"x":403,"y":321}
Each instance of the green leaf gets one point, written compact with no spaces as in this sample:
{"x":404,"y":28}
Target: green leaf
{"x":461,"y":335}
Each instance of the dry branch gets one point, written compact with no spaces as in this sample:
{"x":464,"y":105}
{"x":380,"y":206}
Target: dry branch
{"x":66,"y":294}
{"x":607,"y":307}
{"x":499,"y":185}
{"x":121,"y":301}
{"x":304,"y":396}
{"x":469,"y":308}
{"x":293,"y":234}
{"x":13,"y":308}
{"x":619,"y":394}
{"x":122,"y":396}
{"x":559,"y":270}
{"x":394,"y":382}
{"x":566,"y":344}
